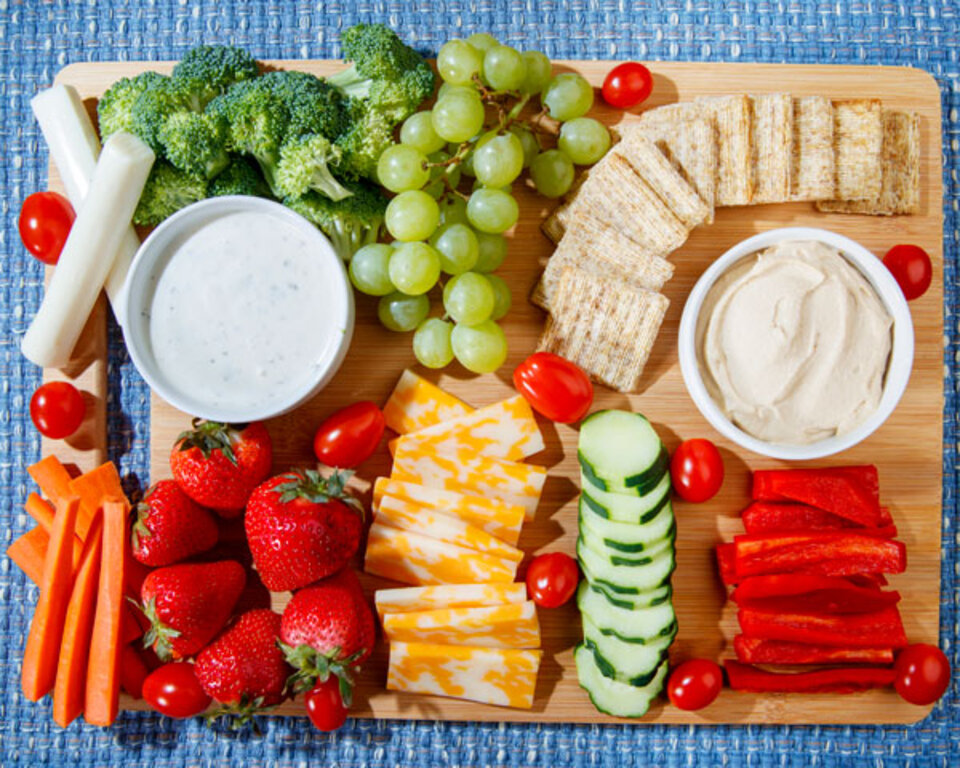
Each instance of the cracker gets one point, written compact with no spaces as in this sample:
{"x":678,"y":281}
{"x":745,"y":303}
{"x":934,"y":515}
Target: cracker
{"x":734,"y":177}
{"x":771,"y":145}
{"x":858,"y":149}
{"x":606,"y":327}
{"x":812,"y":173}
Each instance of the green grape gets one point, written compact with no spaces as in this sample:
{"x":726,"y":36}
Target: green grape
{"x":431,"y":343}
{"x":447,"y":88}
{"x":453,"y":210}
{"x":457,"y":246}
{"x":400,"y":313}
{"x":414,"y":268}
{"x":503,"y":68}
{"x":469,"y":298}
{"x":539,"y":72}
{"x":584,"y":140}
{"x":502,"y":297}
{"x":479,"y":348}
{"x":529,"y":142}
{"x":458,"y":116}
{"x":568,"y":96}
{"x":492,"y":210}
{"x":369,"y":270}
{"x":552,"y":173}
{"x":478,"y":185}
{"x":417,"y":132}
{"x":458,"y":62}
{"x":492,"y":252}
{"x":466,"y":165}
{"x":498,"y":161}
{"x":402,"y":167}
{"x":412,"y":215}
{"x":482,"y":41}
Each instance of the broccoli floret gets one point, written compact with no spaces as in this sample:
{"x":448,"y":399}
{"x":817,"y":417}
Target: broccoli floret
{"x":167,"y":190}
{"x":196,"y":143}
{"x":208,"y":70}
{"x":115,"y":108}
{"x":153,"y":108}
{"x":350,"y":223}
{"x":313,"y":106}
{"x":304,"y":166}
{"x":369,"y":134}
{"x":241,"y":177}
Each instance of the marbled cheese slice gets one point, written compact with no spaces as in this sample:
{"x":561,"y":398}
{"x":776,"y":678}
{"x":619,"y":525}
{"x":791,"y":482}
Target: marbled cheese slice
{"x":491,"y":515}
{"x":410,"y":599}
{"x":437,"y":525}
{"x":417,"y":403}
{"x":505,"y":677}
{"x":493,"y":626}
{"x":415,"y":559}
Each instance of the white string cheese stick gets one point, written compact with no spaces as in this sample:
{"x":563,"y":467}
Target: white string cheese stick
{"x":106,"y":211}
{"x":75,"y":147}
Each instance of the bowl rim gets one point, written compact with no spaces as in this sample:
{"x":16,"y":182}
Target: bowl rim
{"x":136,"y":286}
{"x":899,"y":366}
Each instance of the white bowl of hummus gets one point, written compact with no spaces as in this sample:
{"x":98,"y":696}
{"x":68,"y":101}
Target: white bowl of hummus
{"x":796,"y":343}
{"x":237,"y":309}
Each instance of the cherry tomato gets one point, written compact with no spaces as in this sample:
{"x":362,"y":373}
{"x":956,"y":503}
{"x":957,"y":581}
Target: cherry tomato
{"x":174,"y":690}
{"x":696,"y":470}
{"x":923,"y":673}
{"x":325,"y":705}
{"x":554,"y":386}
{"x":694,"y":684}
{"x":57,"y":409}
{"x":911,"y":268}
{"x":627,"y":85}
{"x":45,"y":221}
{"x":347,"y":437}
{"x":552,"y":579}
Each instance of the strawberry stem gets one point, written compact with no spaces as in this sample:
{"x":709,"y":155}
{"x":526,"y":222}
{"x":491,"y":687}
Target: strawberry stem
{"x":311,"y":485}
{"x":210,"y":436}
{"x":312,"y":666}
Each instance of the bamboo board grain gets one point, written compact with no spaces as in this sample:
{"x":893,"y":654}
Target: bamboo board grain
{"x":907,"y":449}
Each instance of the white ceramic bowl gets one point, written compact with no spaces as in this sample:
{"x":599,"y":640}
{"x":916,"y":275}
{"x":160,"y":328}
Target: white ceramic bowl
{"x":325,"y":282}
{"x":898,"y":368}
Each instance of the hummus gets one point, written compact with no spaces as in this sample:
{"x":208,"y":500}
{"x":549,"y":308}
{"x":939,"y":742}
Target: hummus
{"x":793,"y":344}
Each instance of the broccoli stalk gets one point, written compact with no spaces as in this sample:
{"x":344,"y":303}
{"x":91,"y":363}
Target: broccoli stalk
{"x":304,"y":166}
{"x":350,"y":223}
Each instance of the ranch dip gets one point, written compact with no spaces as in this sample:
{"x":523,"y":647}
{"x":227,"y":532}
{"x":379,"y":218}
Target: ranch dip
{"x":793,"y":344}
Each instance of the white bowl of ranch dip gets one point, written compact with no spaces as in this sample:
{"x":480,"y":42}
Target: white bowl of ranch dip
{"x":237,"y":309}
{"x":796,"y":343}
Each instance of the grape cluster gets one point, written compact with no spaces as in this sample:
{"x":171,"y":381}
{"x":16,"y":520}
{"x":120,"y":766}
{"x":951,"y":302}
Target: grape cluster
{"x":476,"y":129}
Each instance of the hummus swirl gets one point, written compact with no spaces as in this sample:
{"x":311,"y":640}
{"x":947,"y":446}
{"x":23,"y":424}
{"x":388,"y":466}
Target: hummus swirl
{"x":793,"y":344}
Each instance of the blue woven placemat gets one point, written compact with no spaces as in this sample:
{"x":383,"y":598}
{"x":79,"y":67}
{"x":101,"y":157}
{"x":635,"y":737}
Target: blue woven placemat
{"x":38,"y":38}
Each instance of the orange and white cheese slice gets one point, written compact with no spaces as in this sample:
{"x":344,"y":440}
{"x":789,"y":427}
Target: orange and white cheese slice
{"x":494,"y":626}
{"x":410,"y":517}
{"x":491,"y":515}
{"x":416,"y":559}
{"x":505,"y":677}
{"x":411,"y":599}
{"x":509,"y":481}
{"x":417,"y":403}
{"x":505,"y":430}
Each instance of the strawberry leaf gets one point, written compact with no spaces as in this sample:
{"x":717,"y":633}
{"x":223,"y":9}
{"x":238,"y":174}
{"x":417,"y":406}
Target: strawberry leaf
{"x":210,"y":436}
{"x":159,"y":634}
{"x":311,"y":485}
{"x":311,"y":666}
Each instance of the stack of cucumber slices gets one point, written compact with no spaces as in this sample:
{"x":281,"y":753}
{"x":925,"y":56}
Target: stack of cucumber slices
{"x":626,"y":552}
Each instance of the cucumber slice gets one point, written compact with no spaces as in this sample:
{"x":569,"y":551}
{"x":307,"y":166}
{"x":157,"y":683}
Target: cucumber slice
{"x":623,"y":508}
{"x":625,"y":579}
{"x":613,"y":551}
{"x":627,"y":537}
{"x":611,"y":696}
{"x":638,"y":626}
{"x":629,"y":663}
{"x":646,"y":599}
{"x":620,"y":451}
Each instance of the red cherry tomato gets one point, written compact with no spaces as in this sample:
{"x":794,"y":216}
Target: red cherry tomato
{"x":554,"y":386}
{"x":45,"y":221}
{"x":57,"y":409}
{"x":696,"y":470}
{"x":923,"y":673}
{"x":325,"y":705}
{"x":694,"y":684}
{"x":627,"y":85}
{"x":349,"y":436}
{"x":911,"y":268}
{"x":552,"y":579}
{"x":174,"y":691}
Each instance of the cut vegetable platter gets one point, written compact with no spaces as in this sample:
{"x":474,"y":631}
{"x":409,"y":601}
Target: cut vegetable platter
{"x":907,"y":449}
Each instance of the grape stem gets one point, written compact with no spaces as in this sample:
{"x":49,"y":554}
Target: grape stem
{"x":543,"y":123}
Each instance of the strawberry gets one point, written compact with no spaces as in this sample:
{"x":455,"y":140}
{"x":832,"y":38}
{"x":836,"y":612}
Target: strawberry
{"x":218,"y":465}
{"x":188,"y":604}
{"x":244,"y":668}
{"x":327,"y":628}
{"x":301,"y":527}
{"x":170,"y":526}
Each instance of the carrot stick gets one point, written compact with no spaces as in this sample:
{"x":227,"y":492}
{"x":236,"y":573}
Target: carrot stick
{"x":29,"y":552}
{"x":40,"y":510}
{"x":133,"y":671}
{"x":102,"y":698}
{"x":68,"y":693}
{"x":46,"y":629}
{"x":52,"y":477}
{"x":93,"y":487}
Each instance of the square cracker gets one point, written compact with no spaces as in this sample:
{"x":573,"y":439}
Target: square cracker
{"x":734,"y":177}
{"x":606,"y":327}
{"x":858,"y":149}
{"x":771,"y":147}
{"x":812,"y":172}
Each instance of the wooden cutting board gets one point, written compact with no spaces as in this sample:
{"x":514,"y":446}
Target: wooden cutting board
{"x":907,"y":449}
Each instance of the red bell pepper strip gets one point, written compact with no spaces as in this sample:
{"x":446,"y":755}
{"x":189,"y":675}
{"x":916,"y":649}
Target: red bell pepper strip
{"x":832,"y":491}
{"x":779,"y":517}
{"x":829,"y":554}
{"x":744,"y":677}
{"x":810,"y":593}
{"x":867,"y":580}
{"x":881,"y":628}
{"x":754,"y":650}
{"x":726,"y":554}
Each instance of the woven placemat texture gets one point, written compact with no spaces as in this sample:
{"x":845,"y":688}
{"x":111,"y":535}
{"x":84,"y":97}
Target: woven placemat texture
{"x":38,"y":38}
